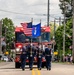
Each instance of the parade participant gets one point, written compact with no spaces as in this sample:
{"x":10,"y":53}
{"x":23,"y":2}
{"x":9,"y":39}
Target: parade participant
{"x":23,"y":57}
{"x":39,"y":56}
{"x":31,"y":53}
{"x":48,"y":56}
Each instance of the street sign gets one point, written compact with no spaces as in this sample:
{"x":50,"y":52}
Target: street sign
{"x":6,"y":52}
{"x":55,"y":53}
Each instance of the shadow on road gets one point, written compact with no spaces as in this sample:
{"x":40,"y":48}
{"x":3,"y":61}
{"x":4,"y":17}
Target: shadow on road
{"x":17,"y":68}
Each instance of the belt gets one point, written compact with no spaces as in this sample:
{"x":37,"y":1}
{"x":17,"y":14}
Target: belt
{"x":23,"y":52}
{"x":48,"y":55}
{"x":31,"y":52}
{"x":39,"y":53}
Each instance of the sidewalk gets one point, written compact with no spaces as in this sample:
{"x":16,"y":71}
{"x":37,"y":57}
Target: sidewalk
{"x":66,"y":63}
{"x":3,"y":63}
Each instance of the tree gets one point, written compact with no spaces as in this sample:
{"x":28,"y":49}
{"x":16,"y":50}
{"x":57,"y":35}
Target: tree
{"x":7,"y":31}
{"x":52,"y":28}
{"x":66,"y":7}
{"x":59,"y":37}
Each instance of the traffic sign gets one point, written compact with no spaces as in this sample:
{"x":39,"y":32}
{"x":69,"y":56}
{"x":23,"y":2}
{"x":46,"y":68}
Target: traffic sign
{"x":55,"y":53}
{"x":6,"y":52}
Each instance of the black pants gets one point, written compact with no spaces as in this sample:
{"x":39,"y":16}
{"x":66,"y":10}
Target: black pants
{"x":48,"y":61}
{"x":39,"y":62}
{"x":31,"y":59}
{"x":23,"y":62}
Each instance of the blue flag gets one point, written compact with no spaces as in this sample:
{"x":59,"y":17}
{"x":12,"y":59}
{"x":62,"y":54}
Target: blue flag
{"x":36,"y":30}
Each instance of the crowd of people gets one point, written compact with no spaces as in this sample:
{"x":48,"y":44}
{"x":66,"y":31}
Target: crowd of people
{"x":31,"y":51}
{"x":68,"y":58}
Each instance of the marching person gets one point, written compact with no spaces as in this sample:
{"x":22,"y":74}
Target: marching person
{"x":39,"y":56}
{"x":48,"y":56}
{"x":31,"y":52}
{"x":23,"y":56}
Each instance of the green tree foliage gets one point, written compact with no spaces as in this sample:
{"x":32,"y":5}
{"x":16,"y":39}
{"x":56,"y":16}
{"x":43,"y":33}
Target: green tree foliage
{"x":7,"y":31}
{"x":59,"y":37}
{"x":52,"y":28}
{"x":66,"y":7}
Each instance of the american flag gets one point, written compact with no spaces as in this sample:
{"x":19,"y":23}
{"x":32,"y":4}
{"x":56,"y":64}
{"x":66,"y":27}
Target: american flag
{"x":27,"y":28}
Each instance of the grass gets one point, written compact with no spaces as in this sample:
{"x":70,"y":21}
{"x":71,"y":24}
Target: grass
{"x":63,"y":62}
{"x":1,"y":61}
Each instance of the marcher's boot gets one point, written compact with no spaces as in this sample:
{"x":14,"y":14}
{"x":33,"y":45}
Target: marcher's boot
{"x":31,"y":68}
{"x":39,"y":68}
{"x":23,"y":69}
{"x":49,"y":68}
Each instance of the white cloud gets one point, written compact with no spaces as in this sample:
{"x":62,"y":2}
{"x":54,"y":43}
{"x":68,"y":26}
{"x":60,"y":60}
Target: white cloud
{"x":29,"y":9}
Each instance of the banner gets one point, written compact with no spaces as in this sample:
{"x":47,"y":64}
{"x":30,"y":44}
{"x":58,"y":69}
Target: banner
{"x":36,"y":30}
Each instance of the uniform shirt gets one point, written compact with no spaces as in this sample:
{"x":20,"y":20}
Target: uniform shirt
{"x":47,"y":51}
{"x":24,"y":51}
{"x":39,"y":51}
{"x":31,"y":50}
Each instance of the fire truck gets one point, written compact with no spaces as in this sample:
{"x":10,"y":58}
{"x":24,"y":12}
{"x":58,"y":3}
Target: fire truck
{"x":21,"y":36}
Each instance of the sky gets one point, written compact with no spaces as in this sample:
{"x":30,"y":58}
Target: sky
{"x":21,"y":11}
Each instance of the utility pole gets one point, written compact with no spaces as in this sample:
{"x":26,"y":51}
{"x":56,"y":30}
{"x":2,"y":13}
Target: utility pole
{"x":53,"y":39}
{"x":73,"y":33}
{"x":59,"y":49}
{"x":59,"y":21}
{"x":0,"y":36}
{"x":54,"y":30}
{"x":48,"y":14}
{"x":64,"y":31}
{"x":64,"y":12}
{"x":48,"y":34}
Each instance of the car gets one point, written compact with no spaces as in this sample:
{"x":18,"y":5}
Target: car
{"x":5,"y":58}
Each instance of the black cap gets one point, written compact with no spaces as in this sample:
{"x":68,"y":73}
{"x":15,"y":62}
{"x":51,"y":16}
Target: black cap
{"x":49,"y":44}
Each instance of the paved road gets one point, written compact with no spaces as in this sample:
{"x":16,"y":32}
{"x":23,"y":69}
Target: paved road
{"x":57,"y":69}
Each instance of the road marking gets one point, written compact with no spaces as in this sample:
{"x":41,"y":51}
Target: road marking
{"x":33,"y":72}
{"x":36,"y":72}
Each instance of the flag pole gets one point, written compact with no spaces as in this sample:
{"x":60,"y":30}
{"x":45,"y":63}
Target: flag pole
{"x":31,"y":37}
{"x":40,"y":35}
{"x":40,"y":41}
{"x":32,"y":23}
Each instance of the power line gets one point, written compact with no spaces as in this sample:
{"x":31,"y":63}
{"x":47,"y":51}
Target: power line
{"x":25,"y":14}
{"x":22,"y":13}
{"x":51,"y":15}
{"x":13,"y":12}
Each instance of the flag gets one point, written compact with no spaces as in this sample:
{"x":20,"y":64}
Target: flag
{"x":29,"y":25}
{"x":24,"y":25}
{"x":36,"y":30}
{"x":27,"y":28}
